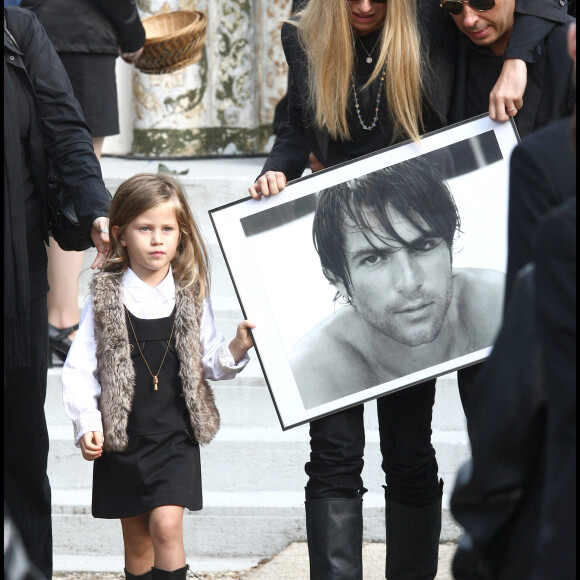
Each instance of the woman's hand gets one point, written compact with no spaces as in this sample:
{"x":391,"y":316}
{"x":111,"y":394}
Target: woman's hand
{"x":507,"y":96}
{"x":100,"y":237}
{"x":271,"y":183}
{"x":243,"y":340}
{"x":92,"y":445}
{"x":315,"y":165}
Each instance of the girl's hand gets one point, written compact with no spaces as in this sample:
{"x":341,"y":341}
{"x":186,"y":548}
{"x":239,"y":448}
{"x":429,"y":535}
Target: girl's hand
{"x":100,"y":237}
{"x":507,"y":96}
{"x":92,"y":445}
{"x":243,"y":341}
{"x":271,"y":183}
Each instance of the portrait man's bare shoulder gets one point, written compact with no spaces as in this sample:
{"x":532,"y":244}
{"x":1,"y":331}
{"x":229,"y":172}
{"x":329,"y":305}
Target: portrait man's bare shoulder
{"x":328,"y":357}
{"x":478,"y":294}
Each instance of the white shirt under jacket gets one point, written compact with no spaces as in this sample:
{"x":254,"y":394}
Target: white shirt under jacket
{"x":80,"y":381}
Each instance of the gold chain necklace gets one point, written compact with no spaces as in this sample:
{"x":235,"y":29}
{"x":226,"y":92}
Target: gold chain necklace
{"x":154,"y":376}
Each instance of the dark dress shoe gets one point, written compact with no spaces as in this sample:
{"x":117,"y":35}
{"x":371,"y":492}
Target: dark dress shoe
{"x":59,"y":342}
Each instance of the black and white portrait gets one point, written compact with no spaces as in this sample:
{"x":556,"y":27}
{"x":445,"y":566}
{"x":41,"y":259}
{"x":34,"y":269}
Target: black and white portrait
{"x":377,"y":274}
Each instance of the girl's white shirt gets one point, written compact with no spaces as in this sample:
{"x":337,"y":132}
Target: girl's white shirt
{"x":80,"y":380}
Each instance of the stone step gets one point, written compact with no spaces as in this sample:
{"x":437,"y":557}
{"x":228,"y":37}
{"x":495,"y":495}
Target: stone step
{"x":111,"y":563}
{"x":246,"y":402}
{"x":252,"y":459}
{"x":231,"y":525}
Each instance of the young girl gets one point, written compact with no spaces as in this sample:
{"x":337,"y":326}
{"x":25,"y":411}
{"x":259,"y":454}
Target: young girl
{"x":134,"y":382}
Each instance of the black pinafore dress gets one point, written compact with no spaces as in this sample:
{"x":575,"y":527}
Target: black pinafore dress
{"x":161,"y":464}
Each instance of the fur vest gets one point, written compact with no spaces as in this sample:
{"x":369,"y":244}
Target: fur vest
{"x":116,"y":371}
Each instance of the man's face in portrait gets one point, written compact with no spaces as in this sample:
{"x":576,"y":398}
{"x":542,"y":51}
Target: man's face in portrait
{"x":403,"y":292}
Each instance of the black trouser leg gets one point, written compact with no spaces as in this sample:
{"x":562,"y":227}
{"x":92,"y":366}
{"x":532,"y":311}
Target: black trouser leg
{"x":467,"y":383}
{"x":413,"y":516}
{"x":334,"y":496}
{"x":26,"y":485}
{"x":334,"y":528}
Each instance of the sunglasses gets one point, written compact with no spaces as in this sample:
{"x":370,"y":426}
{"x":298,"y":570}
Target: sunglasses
{"x":456,"y":6}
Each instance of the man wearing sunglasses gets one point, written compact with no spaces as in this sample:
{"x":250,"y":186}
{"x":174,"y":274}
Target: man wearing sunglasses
{"x":487,"y":26}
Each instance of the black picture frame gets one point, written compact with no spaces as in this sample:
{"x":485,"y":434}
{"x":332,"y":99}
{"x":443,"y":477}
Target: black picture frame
{"x":276,"y":272}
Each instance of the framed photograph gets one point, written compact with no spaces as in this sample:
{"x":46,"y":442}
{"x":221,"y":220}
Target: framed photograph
{"x":376,"y":274}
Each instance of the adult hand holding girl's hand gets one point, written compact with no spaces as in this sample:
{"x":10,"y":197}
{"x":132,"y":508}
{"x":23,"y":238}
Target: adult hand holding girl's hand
{"x":92,"y":445}
{"x":130,"y":57}
{"x":100,"y":237}
{"x":243,"y":340}
{"x":271,"y":183}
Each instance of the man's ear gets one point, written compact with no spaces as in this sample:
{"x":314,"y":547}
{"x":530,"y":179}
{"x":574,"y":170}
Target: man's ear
{"x":336,"y":282}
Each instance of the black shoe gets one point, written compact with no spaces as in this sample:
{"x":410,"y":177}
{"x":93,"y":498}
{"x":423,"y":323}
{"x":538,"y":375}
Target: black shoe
{"x":59,"y":342}
{"x":158,"y":574}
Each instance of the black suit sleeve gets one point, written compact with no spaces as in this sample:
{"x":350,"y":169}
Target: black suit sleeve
{"x":127,"y":23}
{"x":555,"y":10}
{"x":66,"y":136}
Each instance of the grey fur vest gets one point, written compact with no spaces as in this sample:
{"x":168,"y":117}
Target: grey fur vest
{"x":116,"y":372}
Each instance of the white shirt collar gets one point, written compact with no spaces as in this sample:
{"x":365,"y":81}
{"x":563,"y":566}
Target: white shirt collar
{"x":140,"y":291}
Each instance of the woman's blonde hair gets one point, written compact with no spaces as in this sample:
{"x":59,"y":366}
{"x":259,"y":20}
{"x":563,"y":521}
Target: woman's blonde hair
{"x":141,"y":193}
{"x":328,"y":37}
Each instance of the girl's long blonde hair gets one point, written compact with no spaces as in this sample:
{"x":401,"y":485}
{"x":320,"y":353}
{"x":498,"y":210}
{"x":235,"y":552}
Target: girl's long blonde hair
{"x":328,"y":38}
{"x":139,"y":194}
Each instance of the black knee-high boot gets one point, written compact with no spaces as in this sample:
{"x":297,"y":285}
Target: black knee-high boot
{"x":334,"y":528}
{"x":144,"y":576}
{"x":180,"y":574}
{"x":412,"y":539}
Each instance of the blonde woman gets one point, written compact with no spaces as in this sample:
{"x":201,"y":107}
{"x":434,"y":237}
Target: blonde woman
{"x":365,"y":75}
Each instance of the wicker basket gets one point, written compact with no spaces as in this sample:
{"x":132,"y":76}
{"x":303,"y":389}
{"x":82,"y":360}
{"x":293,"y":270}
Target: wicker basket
{"x":173,"y":40}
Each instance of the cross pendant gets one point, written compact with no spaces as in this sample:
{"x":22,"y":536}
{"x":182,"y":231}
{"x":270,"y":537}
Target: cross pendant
{"x":155,"y":381}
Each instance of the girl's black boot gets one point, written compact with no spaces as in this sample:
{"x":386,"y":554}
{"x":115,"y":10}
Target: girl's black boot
{"x":144,"y":576}
{"x":180,"y":574}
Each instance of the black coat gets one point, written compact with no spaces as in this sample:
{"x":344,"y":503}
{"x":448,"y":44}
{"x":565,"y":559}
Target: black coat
{"x":57,"y":124}
{"x":497,"y":492}
{"x":90,"y":26}
{"x":299,"y":136}
{"x":542,"y":176}
{"x":516,"y":497}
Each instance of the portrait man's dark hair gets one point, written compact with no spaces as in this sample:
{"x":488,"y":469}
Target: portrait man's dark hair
{"x":414,"y":188}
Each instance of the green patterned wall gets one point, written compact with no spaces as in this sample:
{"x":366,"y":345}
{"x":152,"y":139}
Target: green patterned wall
{"x":224,"y":104}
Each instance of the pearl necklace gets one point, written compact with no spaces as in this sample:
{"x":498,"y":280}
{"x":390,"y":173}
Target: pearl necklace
{"x":357,"y":106}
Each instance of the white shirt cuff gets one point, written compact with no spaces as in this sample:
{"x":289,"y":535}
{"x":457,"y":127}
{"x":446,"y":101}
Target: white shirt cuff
{"x":227,"y":362}
{"x":87,"y":422}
